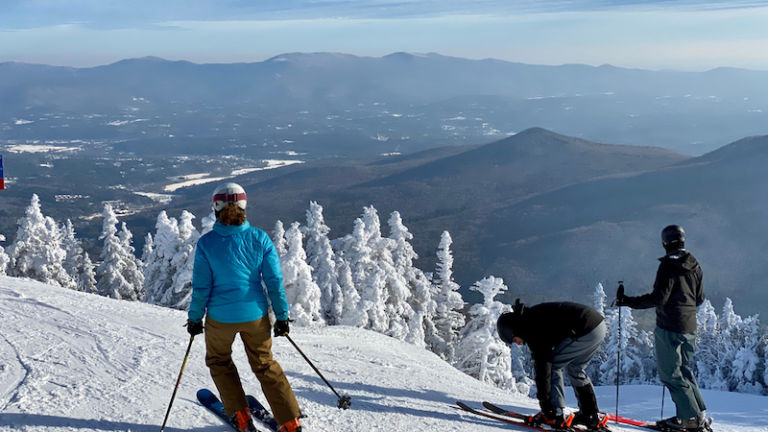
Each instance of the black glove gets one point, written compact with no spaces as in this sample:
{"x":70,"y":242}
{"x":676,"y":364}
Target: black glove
{"x":621,"y":299}
{"x":281,"y":328}
{"x":194,"y":327}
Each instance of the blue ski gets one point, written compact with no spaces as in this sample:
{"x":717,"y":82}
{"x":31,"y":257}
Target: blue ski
{"x":212,"y":403}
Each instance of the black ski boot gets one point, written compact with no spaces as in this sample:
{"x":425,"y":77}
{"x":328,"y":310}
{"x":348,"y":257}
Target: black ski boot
{"x":588,"y":414}
{"x":675,"y":424}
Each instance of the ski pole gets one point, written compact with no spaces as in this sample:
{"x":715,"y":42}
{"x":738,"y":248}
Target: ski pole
{"x":663,"y":394}
{"x":178,"y":380}
{"x":618,"y":358}
{"x":344,"y":401}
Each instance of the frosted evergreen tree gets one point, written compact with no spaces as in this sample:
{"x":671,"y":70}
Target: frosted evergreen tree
{"x":179,"y":294}
{"x":740,"y":345}
{"x":146,"y":254}
{"x":601,"y":356}
{"x":74,"y":263}
{"x":420,"y":324}
{"x":278,"y":239}
{"x":352,"y":313}
{"x":301,"y":291}
{"x":707,"y":356}
{"x":321,"y":257}
{"x":4,"y":259}
{"x":207,"y":223}
{"x":117,"y":272}
{"x":366,"y":277}
{"x":636,"y":346}
{"x":133,"y":265}
{"x":522,"y":369}
{"x":157,"y":257}
{"x":747,"y":364}
{"x":37,"y":252}
{"x":448,"y":317}
{"x":396,"y":293}
{"x":480,"y":353}
{"x":599,"y":299}
{"x":728,"y":343}
{"x":87,"y":282}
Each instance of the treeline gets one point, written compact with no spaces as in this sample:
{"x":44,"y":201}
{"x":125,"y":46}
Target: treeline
{"x":368,"y":279}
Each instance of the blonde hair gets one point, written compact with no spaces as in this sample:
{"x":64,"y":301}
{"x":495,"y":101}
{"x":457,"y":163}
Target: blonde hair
{"x":231,"y":214}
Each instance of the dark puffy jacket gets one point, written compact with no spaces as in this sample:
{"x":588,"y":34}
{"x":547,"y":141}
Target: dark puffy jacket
{"x":544,"y":326}
{"x":676,"y":293}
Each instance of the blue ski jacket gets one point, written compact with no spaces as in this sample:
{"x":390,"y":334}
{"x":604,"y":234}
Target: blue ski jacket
{"x":231,"y":262}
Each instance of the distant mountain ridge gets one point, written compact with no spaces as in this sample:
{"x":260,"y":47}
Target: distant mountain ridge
{"x":692,"y":112}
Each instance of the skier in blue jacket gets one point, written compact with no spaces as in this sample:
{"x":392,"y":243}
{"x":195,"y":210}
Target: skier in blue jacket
{"x":233,"y":264}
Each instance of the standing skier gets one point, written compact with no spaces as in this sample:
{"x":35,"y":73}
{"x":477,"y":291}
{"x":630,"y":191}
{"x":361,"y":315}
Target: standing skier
{"x":560,"y":336}
{"x":676,"y":294}
{"x":231,"y":262}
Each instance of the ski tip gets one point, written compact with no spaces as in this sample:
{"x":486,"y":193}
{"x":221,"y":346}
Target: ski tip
{"x":205,"y":395}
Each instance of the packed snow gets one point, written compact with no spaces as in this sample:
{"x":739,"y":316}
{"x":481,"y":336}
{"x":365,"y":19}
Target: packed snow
{"x":198,"y":179}
{"x":71,"y":361}
{"x":39,"y":148}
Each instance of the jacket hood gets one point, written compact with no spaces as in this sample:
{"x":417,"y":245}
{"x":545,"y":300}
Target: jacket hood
{"x":682,"y":259}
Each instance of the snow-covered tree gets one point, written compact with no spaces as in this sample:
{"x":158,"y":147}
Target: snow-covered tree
{"x":396,"y":292}
{"x":118,"y":273}
{"x":37,"y":252}
{"x":87,"y":282}
{"x":158,"y":253}
{"x":321,"y":257}
{"x":180,"y":293}
{"x":4,"y":259}
{"x":480,"y":353}
{"x":599,"y":299}
{"x":740,"y":344}
{"x":132,"y":270}
{"x":448,"y":317}
{"x":601,"y":356}
{"x":420,"y":324}
{"x":635,"y":346}
{"x":146,"y":254}
{"x":707,"y":356}
{"x":278,"y":239}
{"x":352,"y":313}
{"x":367,"y":277}
{"x":75,"y":262}
{"x":207,"y":223}
{"x":301,"y":291}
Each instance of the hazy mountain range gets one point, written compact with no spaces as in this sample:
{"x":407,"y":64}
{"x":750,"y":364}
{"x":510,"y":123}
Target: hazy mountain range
{"x":412,"y":98}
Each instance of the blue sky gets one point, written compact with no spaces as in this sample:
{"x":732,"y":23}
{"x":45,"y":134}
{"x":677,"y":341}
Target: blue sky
{"x":661,"y":34}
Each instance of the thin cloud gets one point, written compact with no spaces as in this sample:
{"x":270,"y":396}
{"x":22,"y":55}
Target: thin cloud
{"x":118,"y":14}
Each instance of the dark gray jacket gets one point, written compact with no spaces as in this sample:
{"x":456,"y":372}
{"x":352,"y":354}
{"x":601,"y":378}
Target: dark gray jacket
{"x":676,"y":293}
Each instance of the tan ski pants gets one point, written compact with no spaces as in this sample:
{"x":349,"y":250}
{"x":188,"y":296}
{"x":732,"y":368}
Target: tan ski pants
{"x":256,"y":336}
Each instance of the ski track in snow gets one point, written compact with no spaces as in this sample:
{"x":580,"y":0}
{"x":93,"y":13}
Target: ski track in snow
{"x":71,"y":361}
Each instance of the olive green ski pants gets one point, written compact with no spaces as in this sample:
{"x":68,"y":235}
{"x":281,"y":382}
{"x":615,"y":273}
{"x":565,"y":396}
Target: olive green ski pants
{"x":674,"y":360}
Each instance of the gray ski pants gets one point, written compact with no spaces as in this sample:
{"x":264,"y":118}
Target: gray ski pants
{"x":674,"y":360}
{"x":574,"y":355}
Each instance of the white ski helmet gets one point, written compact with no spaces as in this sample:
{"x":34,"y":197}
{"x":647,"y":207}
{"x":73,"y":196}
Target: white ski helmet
{"x":229,"y":193}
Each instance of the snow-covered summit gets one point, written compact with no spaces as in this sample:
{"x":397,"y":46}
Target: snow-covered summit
{"x":71,"y":361}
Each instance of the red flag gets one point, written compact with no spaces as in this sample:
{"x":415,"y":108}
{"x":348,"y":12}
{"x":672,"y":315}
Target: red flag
{"x":2,"y":179}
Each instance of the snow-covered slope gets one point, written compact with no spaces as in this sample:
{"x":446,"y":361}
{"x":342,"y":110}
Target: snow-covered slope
{"x":77,"y":362}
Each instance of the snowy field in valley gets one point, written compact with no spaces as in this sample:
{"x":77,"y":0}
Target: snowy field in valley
{"x":78,"y":362}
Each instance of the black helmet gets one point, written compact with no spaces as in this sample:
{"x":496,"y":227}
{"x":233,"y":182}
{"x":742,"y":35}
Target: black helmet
{"x":673,"y":237}
{"x":508,"y":324}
